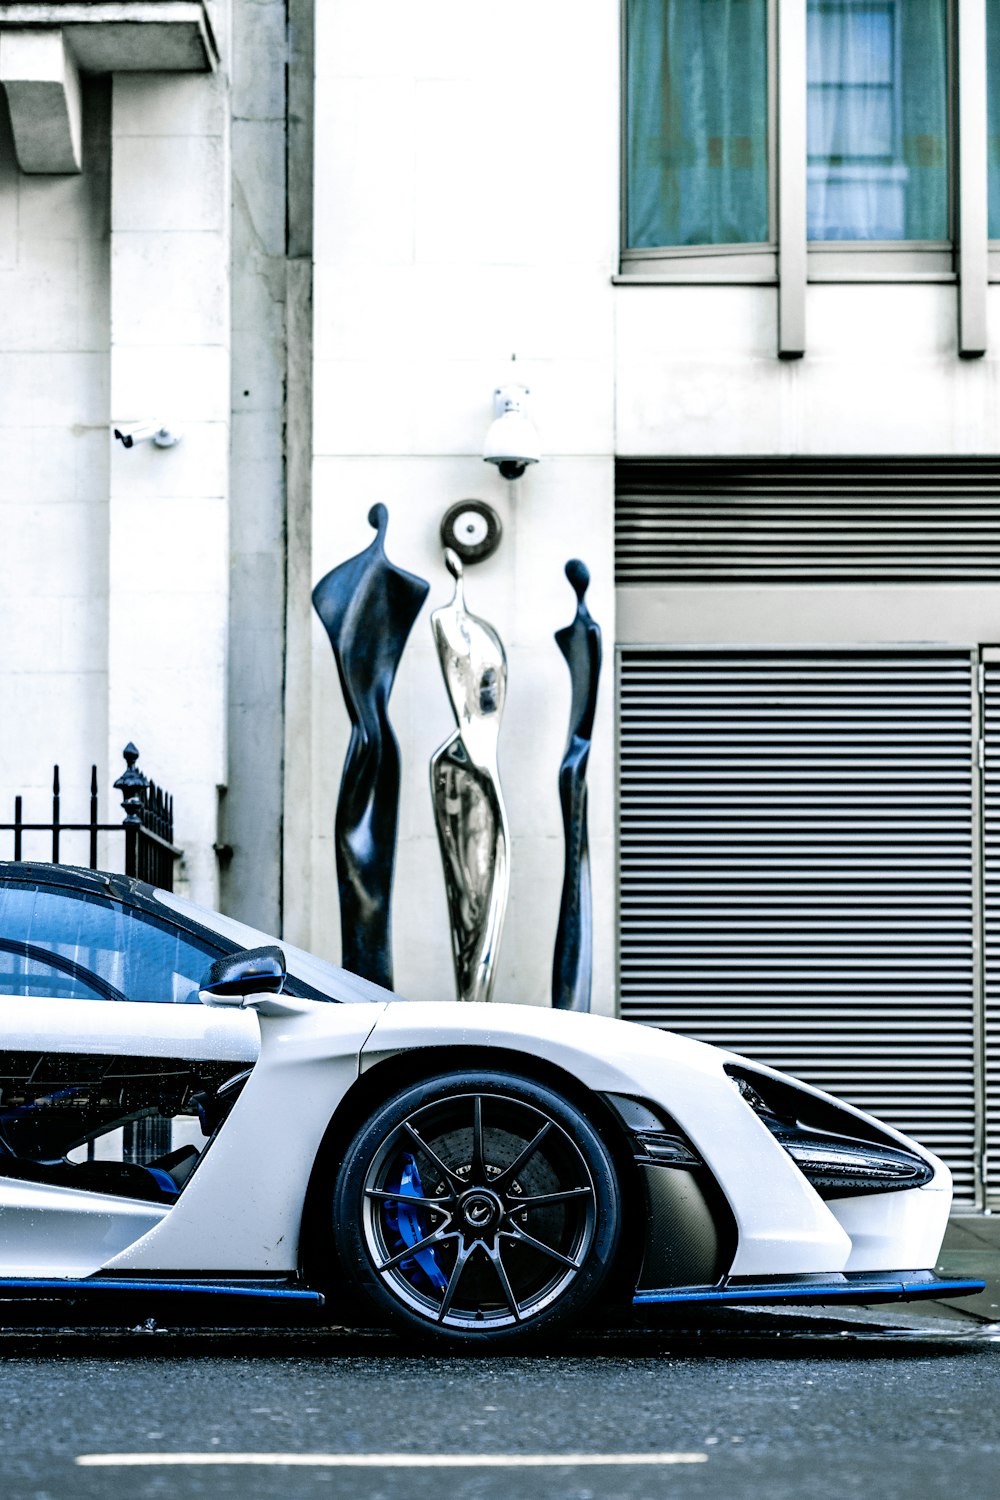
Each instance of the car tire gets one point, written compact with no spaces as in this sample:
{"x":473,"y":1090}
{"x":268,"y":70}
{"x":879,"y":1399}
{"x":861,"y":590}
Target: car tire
{"x":478,"y":1207}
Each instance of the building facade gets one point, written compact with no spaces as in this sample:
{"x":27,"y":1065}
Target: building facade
{"x":742,"y":253}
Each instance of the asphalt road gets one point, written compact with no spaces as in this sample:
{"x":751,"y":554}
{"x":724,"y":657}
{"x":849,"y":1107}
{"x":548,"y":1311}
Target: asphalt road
{"x":797,"y":1412}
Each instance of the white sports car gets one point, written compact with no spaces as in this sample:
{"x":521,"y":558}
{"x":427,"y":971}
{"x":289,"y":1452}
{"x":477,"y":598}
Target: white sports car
{"x":186,"y":1108}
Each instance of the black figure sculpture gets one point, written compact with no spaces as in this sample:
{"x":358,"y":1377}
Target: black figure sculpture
{"x":580,"y":643}
{"x":368,"y":608}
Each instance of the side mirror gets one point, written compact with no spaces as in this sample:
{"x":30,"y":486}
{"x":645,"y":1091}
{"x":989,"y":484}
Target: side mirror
{"x":252,"y":971}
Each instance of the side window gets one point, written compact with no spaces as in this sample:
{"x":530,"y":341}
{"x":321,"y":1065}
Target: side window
{"x":28,"y":970}
{"x":78,"y":945}
{"x":131,"y":1126}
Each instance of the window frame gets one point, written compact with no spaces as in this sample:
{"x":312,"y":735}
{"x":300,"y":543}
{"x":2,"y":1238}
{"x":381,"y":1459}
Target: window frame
{"x":970,"y":260}
{"x":702,"y":262}
{"x":903,"y":260}
{"x":826,"y":260}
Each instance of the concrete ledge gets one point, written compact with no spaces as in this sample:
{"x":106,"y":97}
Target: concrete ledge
{"x":43,"y":92}
{"x":125,"y":36}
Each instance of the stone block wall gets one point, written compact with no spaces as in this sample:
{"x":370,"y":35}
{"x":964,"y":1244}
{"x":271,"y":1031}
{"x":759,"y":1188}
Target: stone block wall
{"x":54,"y":465}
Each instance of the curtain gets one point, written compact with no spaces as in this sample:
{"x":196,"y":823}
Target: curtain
{"x":696,"y":131}
{"x":877,"y":120}
{"x":993,"y":113}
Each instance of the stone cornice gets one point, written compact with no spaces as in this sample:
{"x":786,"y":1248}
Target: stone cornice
{"x":119,"y":36}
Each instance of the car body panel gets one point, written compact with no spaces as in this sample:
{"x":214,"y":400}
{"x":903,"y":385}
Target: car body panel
{"x":127,"y":1028}
{"x":905,"y":1228}
{"x":53,"y":1231}
{"x":242,"y":1209}
{"x":783,"y":1224}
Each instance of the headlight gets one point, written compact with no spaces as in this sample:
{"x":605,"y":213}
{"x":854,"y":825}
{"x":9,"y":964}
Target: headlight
{"x":840,"y":1167}
{"x":837,"y":1165}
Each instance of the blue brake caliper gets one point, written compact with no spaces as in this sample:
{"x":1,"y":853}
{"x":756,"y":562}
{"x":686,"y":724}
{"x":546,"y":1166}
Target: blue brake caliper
{"x":410,"y":1223}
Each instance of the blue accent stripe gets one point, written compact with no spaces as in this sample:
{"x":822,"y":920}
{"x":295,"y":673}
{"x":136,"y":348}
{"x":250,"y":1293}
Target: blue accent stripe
{"x":110,"y":1284}
{"x":868,"y":1291}
{"x":163,"y":1180}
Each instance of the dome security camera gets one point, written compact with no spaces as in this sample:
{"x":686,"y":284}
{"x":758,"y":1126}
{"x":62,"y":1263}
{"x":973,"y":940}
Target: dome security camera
{"x":511,"y":442}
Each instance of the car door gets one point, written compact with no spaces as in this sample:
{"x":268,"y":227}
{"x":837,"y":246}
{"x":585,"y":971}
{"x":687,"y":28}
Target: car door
{"x":112,"y":1075}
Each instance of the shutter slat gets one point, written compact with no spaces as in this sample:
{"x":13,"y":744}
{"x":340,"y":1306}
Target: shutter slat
{"x":688,"y":521}
{"x":796,"y":871}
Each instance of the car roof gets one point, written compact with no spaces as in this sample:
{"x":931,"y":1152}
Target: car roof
{"x":76,"y":877}
{"x":109,"y":883}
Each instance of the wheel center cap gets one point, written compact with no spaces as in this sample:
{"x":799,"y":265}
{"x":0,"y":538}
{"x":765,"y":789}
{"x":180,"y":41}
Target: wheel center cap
{"x":481,"y":1209}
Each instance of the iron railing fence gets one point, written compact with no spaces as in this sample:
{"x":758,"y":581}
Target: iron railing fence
{"x":147,"y":828}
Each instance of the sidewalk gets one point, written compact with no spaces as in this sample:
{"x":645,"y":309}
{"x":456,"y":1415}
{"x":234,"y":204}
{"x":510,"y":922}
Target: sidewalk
{"x":972,"y":1249}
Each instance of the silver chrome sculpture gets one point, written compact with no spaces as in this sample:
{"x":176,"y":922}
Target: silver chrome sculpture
{"x":465,"y":788}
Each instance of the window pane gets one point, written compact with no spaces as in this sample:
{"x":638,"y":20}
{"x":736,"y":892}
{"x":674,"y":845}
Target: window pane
{"x":850,"y":42}
{"x":862,"y":132}
{"x":696,"y":132}
{"x":878,"y":119}
{"x":93,"y":946}
{"x":993,"y":111}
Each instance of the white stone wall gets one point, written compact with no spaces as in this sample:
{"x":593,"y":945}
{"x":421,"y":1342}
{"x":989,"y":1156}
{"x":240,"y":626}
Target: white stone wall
{"x":696,"y":373}
{"x":462,"y":220}
{"x":54,"y":447}
{"x":169,"y":508}
{"x":114,"y":285}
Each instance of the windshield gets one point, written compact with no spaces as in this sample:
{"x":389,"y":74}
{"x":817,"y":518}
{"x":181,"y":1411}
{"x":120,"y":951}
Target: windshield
{"x":329,"y":980}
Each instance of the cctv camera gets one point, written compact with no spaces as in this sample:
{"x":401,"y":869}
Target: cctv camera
{"x":511,"y":442}
{"x":130,"y":433}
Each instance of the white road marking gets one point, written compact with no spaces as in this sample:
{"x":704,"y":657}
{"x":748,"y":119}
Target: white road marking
{"x":389,"y":1460}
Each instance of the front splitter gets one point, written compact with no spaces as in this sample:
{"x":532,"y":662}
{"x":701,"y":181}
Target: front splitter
{"x":861,"y":1287}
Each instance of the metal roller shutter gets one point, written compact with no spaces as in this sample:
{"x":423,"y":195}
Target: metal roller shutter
{"x":991,"y":923}
{"x":790,"y":520}
{"x":797,"y":873}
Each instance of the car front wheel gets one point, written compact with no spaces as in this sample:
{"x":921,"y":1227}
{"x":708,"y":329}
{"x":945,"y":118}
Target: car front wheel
{"x":482,"y":1206}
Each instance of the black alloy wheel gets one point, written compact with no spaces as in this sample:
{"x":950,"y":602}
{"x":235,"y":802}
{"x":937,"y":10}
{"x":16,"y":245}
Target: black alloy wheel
{"x":481,"y":1206}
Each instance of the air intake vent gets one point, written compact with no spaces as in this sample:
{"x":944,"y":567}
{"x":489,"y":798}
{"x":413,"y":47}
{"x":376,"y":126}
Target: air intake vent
{"x":796,"y":877}
{"x":819,"y":520}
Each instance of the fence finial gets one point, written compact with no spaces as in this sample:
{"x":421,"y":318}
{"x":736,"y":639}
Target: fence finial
{"x":132,"y":785}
